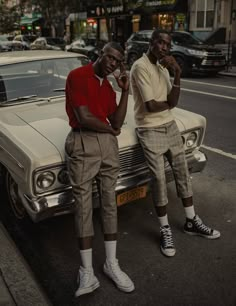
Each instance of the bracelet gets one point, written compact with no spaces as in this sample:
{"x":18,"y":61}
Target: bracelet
{"x":177,"y":86}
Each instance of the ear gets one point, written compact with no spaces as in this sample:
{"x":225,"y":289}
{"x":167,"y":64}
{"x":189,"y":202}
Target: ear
{"x":101,"y":52}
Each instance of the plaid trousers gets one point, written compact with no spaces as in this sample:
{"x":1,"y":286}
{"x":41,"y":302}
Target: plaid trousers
{"x":92,"y":155}
{"x":157,"y":143}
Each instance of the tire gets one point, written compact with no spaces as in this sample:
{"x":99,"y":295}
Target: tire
{"x":14,"y":201}
{"x":12,"y":207}
{"x":184,"y":67}
{"x":131,"y":59}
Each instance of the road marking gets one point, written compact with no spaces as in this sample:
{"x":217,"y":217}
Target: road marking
{"x":219,"y":151}
{"x":209,"y":94}
{"x":203,"y":83}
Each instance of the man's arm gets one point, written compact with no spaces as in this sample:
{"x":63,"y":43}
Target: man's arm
{"x":173,"y":96}
{"x":88,"y":120}
{"x":118,"y":117}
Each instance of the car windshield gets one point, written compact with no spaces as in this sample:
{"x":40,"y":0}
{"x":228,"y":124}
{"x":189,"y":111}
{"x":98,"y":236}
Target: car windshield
{"x":185,"y":39}
{"x":42,"y":79}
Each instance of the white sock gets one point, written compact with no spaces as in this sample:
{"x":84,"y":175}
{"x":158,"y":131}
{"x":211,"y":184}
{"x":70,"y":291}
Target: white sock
{"x":163,"y":220}
{"x":86,"y":258}
{"x":190,"y":212}
{"x":110,"y":249}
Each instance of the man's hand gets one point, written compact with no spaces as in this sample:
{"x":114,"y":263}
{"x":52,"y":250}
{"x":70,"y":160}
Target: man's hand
{"x":115,"y":132}
{"x":122,"y":78}
{"x":169,"y":62}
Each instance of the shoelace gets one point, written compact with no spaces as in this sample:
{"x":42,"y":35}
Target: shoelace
{"x":85,"y":276}
{"x":167,"y":237}
{"x":117,"y":272}
{"x":202,"y":226}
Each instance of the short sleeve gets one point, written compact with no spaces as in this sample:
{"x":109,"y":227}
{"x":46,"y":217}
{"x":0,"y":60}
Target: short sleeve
{"x":142,"y":80}
{"x":76,"y":90}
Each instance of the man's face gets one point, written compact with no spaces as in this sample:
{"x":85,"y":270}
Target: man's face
{"x":160,"y":46}
{"x":110,"y":60}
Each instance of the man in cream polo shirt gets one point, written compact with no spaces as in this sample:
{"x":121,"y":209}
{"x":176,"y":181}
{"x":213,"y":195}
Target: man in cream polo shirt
{"x":154,"y":97}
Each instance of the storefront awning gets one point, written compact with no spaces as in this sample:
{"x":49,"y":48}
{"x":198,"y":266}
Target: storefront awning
{"x":27,"y":20}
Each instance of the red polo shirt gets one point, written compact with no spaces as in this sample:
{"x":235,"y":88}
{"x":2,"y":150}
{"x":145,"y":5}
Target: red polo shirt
{"x":83,"y":88}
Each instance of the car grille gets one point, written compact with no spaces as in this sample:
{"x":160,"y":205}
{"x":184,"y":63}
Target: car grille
{"x":213,"y":62}
{"x":214,"y":58}
{"x":131,"y":160}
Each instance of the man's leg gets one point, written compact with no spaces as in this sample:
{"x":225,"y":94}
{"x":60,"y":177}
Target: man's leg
{"x":154,"y":145}
{"x":177,"y":160}
{"x":82,"y":170}
{"x":107,"y":179}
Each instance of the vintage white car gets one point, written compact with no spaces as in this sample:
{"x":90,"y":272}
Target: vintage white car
{"x":33,"y":128}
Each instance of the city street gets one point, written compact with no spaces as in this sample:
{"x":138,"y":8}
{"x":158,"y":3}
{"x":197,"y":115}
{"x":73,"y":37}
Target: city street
{"x":202,"y":273}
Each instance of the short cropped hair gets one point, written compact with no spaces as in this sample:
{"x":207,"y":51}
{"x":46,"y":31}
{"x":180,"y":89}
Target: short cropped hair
{"x":114,"y":45}
{"x":157,"y":32}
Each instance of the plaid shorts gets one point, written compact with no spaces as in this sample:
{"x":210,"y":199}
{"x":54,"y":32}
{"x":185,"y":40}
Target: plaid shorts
{"x":158,"y":143}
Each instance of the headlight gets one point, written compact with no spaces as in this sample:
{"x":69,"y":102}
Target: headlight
{"x":191,"y":139}
{"x":63,"y":177}
{"x":45,"y":180}
{"x":197,"y":52}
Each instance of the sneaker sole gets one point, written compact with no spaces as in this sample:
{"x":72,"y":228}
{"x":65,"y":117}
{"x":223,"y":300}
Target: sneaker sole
{"x":201,"y":235}
{"x":87,"y":290}
{"x":168,"y":252}
{"x":124,"y":289}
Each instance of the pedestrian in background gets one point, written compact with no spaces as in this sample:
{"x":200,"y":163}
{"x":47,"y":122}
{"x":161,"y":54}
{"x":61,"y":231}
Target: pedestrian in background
{"x":154,"y":97}
{"x":92,"y":152}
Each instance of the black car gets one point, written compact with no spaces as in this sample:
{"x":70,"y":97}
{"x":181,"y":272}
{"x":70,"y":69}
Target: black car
{"x":191,"y":53}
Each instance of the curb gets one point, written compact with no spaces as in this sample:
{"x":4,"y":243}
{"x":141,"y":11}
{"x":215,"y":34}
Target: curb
{"x":228,"y":74}
{"x":18,"y":285}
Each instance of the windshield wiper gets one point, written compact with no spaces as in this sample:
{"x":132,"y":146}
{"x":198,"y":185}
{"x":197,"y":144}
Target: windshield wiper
{"x":59,"y":89}
{"x":21,"y":98}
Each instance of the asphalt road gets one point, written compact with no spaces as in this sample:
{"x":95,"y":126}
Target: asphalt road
{"x":203,"y":272}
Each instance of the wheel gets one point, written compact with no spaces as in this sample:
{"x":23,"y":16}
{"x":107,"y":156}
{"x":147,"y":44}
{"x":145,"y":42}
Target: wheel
{"x":14,"y":202}
{"x":131,"y":59}
{"x":184,"y":66}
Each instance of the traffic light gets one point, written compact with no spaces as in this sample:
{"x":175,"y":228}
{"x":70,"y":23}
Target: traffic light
{"x":22,"y":28}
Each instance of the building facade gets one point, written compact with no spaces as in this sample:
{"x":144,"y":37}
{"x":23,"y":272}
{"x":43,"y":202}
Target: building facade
{"x":207,"y":16}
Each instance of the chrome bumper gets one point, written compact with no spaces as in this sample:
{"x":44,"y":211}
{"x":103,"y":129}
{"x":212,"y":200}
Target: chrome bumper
{"x":43,"y":207}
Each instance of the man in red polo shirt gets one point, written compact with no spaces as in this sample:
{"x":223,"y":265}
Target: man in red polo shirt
{"x":92,"y":152}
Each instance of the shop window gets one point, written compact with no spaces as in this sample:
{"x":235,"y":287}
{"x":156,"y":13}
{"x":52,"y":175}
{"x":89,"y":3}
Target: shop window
{"x":166,"y":22}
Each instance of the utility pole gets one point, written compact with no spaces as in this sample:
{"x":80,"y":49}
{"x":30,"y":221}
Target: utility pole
{"x":229,"y":41}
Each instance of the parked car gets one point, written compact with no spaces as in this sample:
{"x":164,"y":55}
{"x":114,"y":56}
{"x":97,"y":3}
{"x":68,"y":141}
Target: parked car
{"x":23,"y":41}
{"x":191,"y":54}
{"x":79,"y":46}
{"x":5,"y":44}
{"x":48,"y":43}
{"x":33,"y":129}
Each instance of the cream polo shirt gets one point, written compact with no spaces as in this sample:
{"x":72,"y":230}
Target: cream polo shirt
{"x":149,"y":82}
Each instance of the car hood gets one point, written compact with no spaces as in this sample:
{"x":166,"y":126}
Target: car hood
{"x":41,"y":129}
{"x":203,"y":47}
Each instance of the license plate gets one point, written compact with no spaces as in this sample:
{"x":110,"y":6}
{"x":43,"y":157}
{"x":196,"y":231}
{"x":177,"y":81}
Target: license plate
{"x":131,"y":195}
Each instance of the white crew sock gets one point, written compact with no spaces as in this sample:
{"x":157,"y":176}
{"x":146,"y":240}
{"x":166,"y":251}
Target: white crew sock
{"x":163,"y":220}
{"x":110,"y":249}
{"x":190,"y":212}
{"x":86,"y":258}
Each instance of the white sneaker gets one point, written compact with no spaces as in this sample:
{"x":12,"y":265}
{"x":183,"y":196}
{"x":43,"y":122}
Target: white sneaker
{"x":120,"y":278}
{"x":88,"y":282}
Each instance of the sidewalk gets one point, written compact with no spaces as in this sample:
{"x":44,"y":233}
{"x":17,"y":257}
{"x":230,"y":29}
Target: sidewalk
{"x":18,"y":285}
{"x":230,"y":72}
